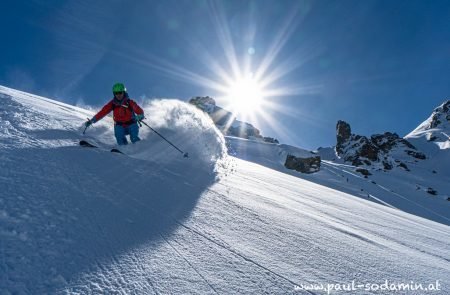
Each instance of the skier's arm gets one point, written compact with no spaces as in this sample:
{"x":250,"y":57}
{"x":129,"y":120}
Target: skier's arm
{"x":137,"y":110}
{"x":103,"y":112}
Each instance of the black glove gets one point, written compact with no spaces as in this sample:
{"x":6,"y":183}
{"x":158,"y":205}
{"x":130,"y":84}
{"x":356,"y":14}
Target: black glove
{"x":89,"y":123}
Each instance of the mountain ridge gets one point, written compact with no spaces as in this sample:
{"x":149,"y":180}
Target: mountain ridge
{"x":420,"y":169}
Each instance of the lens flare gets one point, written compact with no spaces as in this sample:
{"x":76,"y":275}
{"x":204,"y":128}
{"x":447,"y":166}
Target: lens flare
{"x":250,"y":83}
{"x":245,"y":96}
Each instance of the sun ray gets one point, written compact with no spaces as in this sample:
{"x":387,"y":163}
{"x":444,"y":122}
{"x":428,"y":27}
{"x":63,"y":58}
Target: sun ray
{"x":170,"y":69}
{"x":281,"y":38}
{"x":252,"y":93}
{"x":224,"y":35}
{"x":208,"y":60}
{"x":290,"y":64}
{"x":291,"y":90}
{"x":274,"y":126}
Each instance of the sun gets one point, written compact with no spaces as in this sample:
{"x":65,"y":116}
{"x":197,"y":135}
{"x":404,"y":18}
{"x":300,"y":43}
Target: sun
{"x":245,"y":96}
{"x":248,"y":81}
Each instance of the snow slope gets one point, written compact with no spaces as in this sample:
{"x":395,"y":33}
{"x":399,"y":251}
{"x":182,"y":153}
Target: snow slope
{"x":404,"y":190}
{"x":433,"y":137}
{"x":416,"y":185}
{"x":75,"y":220}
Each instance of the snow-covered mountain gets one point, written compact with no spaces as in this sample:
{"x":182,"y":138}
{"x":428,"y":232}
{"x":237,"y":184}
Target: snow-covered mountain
{"x":75,"y":220}
{"x":380,"y":151}
{"x":436,"y":128}
{"x":285,"y":156}
{"x":410,"y":173}
{"x":430,"y":140}
{"x":422,"y":157}
{"x":433,"y":138}
{"x":227,"y":122}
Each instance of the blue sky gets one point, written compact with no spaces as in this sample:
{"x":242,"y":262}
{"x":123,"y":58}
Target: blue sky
{"x":379,"y":65}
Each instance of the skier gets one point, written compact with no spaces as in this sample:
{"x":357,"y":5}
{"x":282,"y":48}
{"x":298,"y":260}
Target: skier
{"x":126,"y":114}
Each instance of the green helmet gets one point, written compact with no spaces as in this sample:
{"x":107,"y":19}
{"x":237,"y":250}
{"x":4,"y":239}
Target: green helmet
{"x":119,"y":87}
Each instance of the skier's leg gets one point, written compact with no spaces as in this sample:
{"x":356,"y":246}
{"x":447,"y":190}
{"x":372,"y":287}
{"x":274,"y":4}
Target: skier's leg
{"x":119,"y":132}
{"x":134,"y":132}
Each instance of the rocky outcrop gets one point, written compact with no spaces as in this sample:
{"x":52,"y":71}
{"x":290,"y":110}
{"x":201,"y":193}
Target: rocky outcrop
{"x":417,"y":155}
{"x":271,"y":140}
{"x":244,"y":130}
{"x":363,"y":171}
{"x":303,"y":165}
{"x":435,"y":129}
{"x":344,"y":132}
{"x":294,"y":158}
{"x":205,"y":103}
{"x":226,"y":121}
{"x":432,"y":191}
{"x":440,"y":114}
{"x":402,"y":165}
{"x":361,"y":150}
{"x":388,"y":140}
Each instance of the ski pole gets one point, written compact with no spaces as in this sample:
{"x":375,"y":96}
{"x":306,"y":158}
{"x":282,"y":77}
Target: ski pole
{"x":184,"y":154}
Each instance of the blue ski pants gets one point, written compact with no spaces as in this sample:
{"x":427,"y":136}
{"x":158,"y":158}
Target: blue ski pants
{"x":121,"y":131}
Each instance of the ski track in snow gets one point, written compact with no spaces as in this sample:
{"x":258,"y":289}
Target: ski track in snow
{"x":84,"y":221}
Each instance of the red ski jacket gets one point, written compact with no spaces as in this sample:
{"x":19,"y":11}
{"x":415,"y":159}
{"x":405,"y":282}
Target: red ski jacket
{"x":122,"y":111}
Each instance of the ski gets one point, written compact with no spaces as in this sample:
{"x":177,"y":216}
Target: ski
{"x":116,"y":151}
{"x":85,"y":143}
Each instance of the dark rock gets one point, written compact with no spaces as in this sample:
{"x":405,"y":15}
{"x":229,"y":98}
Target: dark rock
{"x":355,"y":162}
{"x":225,"y":120}
{"x":431,"y":191}
{"x":387,"y":165}
{"x":435,"y":121}
{"x":368,"y":150}
{"x":363,"y":171}
{"x":246,"y":132}
{"x":208,"y":105}
{"x":403,"y":165}
{"x":204,"y":103}
{"x":343,"y":133}
{"x":388,"y":140}
{"x":446,"y":106}
{"x":432,"y":138}
{"x":407,"y":143}
{"x":417,"y":155}
{"x":303,"y":165}
{"x":440,"y":113}
{"x":385,"y":141}
{"x":270,"y":140}
{"x":361,"y":150}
